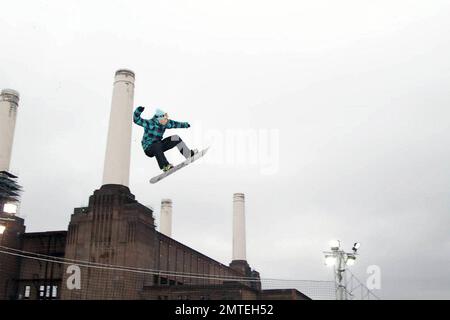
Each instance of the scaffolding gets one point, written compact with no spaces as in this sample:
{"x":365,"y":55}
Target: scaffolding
{"x":10,"y":190}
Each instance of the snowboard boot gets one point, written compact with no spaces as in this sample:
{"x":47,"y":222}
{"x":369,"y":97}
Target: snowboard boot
{"x":167,"y":167}
{"x":193,"y":152}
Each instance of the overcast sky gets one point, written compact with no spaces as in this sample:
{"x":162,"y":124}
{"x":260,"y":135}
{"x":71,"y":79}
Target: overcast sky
{"x":357,"y":93}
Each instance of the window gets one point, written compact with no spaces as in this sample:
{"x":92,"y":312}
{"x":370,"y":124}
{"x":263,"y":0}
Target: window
{"x":41,"y":291}
{"x":54,"y":291}
{"x":48,"y":292}
{"x":27,"y":292}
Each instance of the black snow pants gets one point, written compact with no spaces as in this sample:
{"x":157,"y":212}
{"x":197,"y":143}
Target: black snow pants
{"x":157,"y":149}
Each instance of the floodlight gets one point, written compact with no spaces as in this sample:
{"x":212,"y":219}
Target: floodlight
{"x":351,"y":259}
{"x":10,"y":208}
{"x":330,"y":260}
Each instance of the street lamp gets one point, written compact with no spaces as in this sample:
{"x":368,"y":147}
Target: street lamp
{"x":339,"y":259}
{"x":10,"y":208}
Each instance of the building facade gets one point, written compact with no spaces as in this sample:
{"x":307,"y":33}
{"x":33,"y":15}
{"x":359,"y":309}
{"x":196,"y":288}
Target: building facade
{"x":114,"y":244}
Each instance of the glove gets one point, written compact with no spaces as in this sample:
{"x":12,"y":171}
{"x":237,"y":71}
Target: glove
{"x":140,"y":109}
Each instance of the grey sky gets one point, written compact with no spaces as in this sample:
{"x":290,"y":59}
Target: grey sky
{"x":357,"y":89}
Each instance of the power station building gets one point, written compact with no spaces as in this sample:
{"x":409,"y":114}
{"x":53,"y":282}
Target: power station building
{"x":112,"y":249}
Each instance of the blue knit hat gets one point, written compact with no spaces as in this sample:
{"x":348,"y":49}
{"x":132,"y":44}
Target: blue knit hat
{"x":159,"y":113}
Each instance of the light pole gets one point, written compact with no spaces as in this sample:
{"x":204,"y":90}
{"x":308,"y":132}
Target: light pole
{"x":339,"y":259}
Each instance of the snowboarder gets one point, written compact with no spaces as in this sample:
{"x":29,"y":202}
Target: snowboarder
{"x":152,"y":142}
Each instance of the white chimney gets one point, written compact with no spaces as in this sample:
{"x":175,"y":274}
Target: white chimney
{"x":239,"y":252}
{"x":117,"y":159}
{"x":166,"y":217}
{"x":9,"y":101}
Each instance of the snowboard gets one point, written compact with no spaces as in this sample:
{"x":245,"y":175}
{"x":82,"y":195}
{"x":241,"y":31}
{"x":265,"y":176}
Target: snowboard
{"x":196,"y":156}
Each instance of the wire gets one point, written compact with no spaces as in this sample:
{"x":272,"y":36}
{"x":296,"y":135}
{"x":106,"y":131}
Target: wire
{"x":26,"y":254}
{"x":315,"y":289}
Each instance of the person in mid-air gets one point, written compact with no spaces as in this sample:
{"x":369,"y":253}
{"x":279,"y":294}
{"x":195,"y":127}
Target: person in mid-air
{"x":152,"y":142}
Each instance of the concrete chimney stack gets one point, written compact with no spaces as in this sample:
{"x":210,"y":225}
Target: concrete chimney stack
{"x":9,"y":101}
{"x":166,"y":217}
{"x":239,"y":247}
{"x":117,"y":159}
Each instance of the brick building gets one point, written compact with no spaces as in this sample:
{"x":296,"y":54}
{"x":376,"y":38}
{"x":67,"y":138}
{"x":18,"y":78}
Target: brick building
{"x":116,"y":230}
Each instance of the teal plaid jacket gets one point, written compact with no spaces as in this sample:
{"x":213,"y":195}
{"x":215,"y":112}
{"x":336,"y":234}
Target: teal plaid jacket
{"x":153,"y":130}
